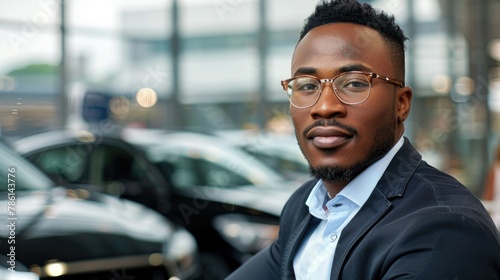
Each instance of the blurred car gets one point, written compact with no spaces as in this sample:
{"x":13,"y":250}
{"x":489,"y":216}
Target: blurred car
{"x":227,"y":199}
{"x":278,"y":151}
{"x":80,"y":234}
{"x":107,"y":162}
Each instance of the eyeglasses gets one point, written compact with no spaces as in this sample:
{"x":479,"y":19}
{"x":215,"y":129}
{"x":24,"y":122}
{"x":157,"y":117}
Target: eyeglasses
{"x":350,"y":88}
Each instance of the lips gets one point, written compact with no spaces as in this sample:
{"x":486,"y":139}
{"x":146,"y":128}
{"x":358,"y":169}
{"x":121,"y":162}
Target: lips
{"x":328,"y":137}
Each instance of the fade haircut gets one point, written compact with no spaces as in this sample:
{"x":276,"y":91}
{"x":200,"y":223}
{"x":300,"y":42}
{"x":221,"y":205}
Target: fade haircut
{"x":351,"y":11}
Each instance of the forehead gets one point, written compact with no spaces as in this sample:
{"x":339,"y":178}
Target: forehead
{"x":334,"y":46}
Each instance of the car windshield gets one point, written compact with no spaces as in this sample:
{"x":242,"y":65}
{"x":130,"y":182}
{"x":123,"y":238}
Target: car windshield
{"x":18,"y":174}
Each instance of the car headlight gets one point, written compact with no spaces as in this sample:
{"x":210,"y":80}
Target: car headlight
{"x":245,"y":233}
{"x":181,"y":254}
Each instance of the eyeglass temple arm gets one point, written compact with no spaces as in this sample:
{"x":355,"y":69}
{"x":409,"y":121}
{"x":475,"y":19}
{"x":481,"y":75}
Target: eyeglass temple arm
{"x":389,"y":80}
{"x":284,"y":84}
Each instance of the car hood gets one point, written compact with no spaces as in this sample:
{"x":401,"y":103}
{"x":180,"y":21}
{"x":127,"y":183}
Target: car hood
{"x":91,"y":226}
{"x":63,"y":211}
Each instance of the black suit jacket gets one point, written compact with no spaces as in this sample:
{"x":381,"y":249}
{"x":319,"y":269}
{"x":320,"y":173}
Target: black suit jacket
{"x":418,"y":223}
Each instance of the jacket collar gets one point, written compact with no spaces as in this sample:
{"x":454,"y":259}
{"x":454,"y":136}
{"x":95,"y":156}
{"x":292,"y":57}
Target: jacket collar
{"x":395,"y":179}
{"x":392,"y":185}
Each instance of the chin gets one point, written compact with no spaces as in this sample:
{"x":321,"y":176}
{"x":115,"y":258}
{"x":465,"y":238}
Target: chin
{"x":336,"y":173}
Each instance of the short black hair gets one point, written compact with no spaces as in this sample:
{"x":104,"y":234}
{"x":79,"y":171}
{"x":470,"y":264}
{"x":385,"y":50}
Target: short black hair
{"x":351,"y":11}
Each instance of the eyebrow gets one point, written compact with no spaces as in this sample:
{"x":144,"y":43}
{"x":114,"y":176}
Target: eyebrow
{"x":305,"y":71}
{"x":347,"y":68}
{"x":354,"y":67}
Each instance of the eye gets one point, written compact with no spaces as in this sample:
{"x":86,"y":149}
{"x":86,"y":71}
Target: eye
{"x":304,"y":85}
{"x":355,"y":84}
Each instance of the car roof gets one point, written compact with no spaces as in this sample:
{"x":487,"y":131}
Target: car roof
{"x":158,"y":142}
{"x":29,"y":144}
{"x":159,"y":136}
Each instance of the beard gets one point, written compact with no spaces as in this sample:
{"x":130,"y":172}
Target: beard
{"x":383,"y":140}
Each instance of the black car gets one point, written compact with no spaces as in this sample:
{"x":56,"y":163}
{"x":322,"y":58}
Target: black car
{"x":228,"y":200}
{"x":76,"y":233}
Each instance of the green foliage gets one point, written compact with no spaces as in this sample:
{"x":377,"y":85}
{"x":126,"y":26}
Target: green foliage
{"x":35,"y":69}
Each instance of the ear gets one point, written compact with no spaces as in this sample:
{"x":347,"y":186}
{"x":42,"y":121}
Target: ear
{"x":403,"y":103}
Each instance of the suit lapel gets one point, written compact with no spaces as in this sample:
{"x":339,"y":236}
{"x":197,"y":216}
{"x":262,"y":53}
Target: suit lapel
{"x":371,"y":212}
{"x":392,"y":184}
{"x":293,"y":245}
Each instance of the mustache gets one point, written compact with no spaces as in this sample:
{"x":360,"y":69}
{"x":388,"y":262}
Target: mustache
{"x":329,"y":122}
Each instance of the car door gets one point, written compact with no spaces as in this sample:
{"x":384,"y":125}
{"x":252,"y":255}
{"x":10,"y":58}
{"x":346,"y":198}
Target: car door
{"x":125,"y":173}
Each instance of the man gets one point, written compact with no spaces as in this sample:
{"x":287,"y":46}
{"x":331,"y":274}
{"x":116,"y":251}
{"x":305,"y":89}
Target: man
{"x":376,"y":209}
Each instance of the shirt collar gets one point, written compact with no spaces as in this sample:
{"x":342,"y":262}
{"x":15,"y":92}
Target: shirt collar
{"x":358,"y":190}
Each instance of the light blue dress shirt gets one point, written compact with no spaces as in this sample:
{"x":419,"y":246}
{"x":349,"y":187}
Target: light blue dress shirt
{"x":314,"y":258}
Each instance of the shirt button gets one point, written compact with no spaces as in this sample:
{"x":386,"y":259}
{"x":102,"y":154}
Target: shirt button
{"x":332,"y":237}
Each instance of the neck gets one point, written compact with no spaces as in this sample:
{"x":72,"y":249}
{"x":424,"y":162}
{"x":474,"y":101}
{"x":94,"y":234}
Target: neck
{"x":333,"y":188}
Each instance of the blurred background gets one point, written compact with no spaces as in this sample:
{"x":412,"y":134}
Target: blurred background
{"x":207,"y":65}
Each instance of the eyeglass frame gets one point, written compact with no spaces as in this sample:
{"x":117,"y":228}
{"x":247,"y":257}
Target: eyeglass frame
{"x":369,"y":75}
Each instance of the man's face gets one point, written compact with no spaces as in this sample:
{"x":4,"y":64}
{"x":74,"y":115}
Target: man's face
{"x":340,"y":140}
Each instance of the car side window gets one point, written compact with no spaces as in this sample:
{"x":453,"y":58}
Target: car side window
{"x":63,"y":165}
{"x":215,"y":175}
{"x":196,"y":171}
{"x":184,"y":172}
{"x":111,"y":163}
{"x":282,"y":164}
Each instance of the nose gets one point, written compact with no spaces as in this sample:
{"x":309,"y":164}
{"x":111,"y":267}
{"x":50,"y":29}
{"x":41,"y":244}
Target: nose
{"x":328,"y":104}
